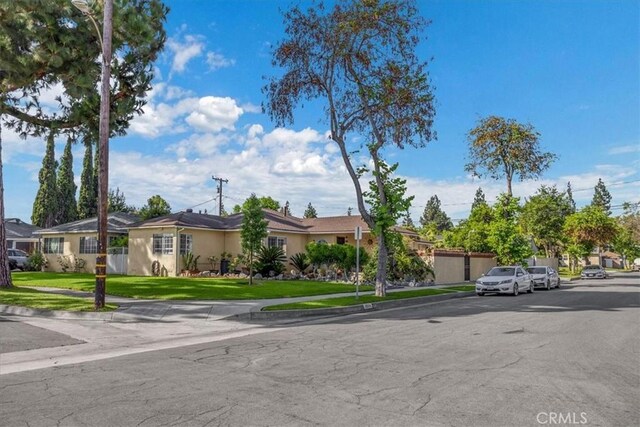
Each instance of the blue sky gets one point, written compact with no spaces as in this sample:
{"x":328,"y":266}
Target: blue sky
{"x":570,"y":68}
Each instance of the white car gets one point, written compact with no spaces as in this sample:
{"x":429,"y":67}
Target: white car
{"x":20,"y":257}
{"x":544,"y":277}
{"x":593,"y":272}
{"x":510,"y":279}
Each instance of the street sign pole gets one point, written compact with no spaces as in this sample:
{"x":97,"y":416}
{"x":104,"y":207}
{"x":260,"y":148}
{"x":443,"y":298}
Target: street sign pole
{"x":358,"y":236}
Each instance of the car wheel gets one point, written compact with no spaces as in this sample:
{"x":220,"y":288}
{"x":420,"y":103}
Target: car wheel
{"x":548,"y":285}
{"x":515,"y":290}
{"x":530,"y":290}
{"x":480,"y":294}
{"x":558,"y":284}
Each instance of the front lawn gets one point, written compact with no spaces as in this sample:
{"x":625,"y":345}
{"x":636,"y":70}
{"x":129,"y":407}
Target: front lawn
{"x":185,"y":288}
{"x":47,"y":301}
{"x":351,"y":300}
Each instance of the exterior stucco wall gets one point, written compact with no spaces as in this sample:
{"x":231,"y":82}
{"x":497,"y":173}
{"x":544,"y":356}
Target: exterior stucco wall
{"x":205,"y":244}
{"x":141,"y":254}
{"x":480,"y":266}
{"x":71,"y":250}
{"x":449,"y":269}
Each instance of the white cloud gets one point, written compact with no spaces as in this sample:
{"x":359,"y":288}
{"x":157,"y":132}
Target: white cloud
{"x":625,"y":149}
{"x":217,"y":61}
{"x":184,"y":51}
{"x":213,"y":114}
{"x":251,"y":108}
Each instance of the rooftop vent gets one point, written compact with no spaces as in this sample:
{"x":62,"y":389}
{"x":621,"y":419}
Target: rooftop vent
{"x":189,"y":210}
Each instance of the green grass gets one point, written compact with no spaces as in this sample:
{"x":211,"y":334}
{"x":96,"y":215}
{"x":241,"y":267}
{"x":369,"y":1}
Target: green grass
{"x":462,"y":288}
{"x":565,"y":273}
{"x":184,"y":288}
{"x":47,"y":301}
{"x":351,"y":300}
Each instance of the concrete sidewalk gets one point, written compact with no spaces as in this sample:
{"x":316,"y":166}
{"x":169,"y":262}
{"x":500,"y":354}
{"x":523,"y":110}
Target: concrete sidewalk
{"x":135,"y":310}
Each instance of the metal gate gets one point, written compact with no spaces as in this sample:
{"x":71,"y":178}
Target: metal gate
{"x":467,"y":268}
{"x":117,"y":260}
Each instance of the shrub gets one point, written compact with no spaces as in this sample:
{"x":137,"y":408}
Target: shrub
{"x":300,"y":261}
{"x":270,"y":259}
{"x":71,"y":262}
{"x":36,"y":262}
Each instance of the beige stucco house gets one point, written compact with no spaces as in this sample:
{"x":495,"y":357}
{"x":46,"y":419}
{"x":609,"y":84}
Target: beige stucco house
{"x":79,"y":240}
{"x":166,"y":239}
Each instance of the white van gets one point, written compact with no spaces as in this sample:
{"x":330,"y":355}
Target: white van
{"x":636,"y":264}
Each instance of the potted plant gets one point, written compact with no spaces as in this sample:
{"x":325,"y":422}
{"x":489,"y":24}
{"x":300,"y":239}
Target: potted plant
{"x":225,"y":258}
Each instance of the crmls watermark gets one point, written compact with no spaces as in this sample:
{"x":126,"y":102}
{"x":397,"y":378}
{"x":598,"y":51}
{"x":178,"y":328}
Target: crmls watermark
{"x":557,"y":418}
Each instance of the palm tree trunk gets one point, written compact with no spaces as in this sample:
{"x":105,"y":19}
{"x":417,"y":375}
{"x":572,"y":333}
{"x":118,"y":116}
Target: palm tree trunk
{"x":5,"y":273}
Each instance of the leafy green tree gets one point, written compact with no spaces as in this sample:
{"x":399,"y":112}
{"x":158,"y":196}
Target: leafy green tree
{"x":472,"y":234}
{"x":266,"y":202}
{"x":433,"y":214}
{"x":543,"y":217}
{"x":68,"y":207}
{"x":479,"y":198}
{"x":590,"y":227}
{"x":627,"y":241}
{"x":310,"y":212}
{"x":253,"y":231}
{"x":156,"y":206}
{"x":602,"y":197}
{"x":51,"y":43}
{"x":118,"y":202}
{"x":407,"y":222}
{"x":87,"y":202}
{"x":45,"y":206}
{"x":335,"y":55}
{"x":504,"y":237}
{"x":505,"y":148}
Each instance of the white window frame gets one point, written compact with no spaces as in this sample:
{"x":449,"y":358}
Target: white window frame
{"x":163,"y":244}
{"x":186,"y":243}
{"x":278,"y":241}
{"x":92,"y":247}
{"x":53,"y":245}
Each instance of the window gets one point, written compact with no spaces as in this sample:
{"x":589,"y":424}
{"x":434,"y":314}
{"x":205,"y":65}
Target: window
{"x":186,"y":243}
{"x":53,"y":245}
{"x":280,"y":242}
{"x":88,"y":245}
{"x":163,"y":244}
{"x":341,"y":240}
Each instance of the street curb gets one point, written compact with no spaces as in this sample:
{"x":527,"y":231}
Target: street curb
{"x":352,"y":309}
{"x":15,"y":310}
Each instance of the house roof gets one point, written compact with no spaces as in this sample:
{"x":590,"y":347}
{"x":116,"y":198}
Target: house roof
{"x":17,"y":229}
{"x":277,"y":221}
{"x":117,"y":222}
{"x":335,"y":224}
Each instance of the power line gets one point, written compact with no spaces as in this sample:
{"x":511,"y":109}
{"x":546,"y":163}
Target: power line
{"x":220,"y":181}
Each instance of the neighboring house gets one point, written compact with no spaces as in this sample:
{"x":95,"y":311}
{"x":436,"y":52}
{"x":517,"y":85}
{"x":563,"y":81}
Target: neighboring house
{"x":20,"y":235}
{"x":79,"y":239}
{"x":166,"y":239}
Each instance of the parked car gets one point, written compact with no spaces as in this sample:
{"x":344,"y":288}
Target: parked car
{"x":20,"y":257}
{"x":636,"y":265}
{"x":544,"y":277}
{"x":593,"y":272}
{"x":13,"y":264}
{"x":504,"y":280}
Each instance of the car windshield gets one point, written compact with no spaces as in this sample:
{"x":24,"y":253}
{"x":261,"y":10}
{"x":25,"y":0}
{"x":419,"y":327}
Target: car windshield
{"x":592,"y":267}
{"x":537,"y":270}
{"x":501,"y":271}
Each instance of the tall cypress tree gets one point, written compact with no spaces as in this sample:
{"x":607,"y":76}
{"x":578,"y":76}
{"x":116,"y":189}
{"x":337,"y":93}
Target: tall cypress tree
{"x":68,"y":208}
{"x":87,"y":202}
{"x":602,"y":197}
{"x":569,"y":193}
{"x":479,"y":198}
{"x":45,"y":206}
{"x":310,"y":212}
{"x":433,"y":214}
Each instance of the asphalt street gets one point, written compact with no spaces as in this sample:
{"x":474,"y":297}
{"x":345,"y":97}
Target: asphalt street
{"x":569,"y":355}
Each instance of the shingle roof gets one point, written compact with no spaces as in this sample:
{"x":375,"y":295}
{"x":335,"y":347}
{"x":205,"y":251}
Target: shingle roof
{"x":277,"y":221}
{"x":18,"y":229}
{"x":117,"y":222}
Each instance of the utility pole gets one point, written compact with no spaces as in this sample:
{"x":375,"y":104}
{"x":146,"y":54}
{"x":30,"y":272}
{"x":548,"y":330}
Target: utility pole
{"x":220,"y":181}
